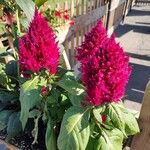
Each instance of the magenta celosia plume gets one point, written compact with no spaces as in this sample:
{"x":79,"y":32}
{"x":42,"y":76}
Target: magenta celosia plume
{"x":104,"y":66}
{"x":38,"y":48}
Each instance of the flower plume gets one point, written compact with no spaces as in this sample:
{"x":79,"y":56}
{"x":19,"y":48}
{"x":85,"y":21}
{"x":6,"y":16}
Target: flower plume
{"x":38,"y":48}
{"x":104,"y":67}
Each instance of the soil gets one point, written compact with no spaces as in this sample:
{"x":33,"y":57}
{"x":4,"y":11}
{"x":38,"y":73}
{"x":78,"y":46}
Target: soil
{"x":24,"y":141}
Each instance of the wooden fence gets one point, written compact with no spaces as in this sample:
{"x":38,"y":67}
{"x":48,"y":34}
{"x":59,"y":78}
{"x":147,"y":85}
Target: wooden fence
{"x":86,"y":13}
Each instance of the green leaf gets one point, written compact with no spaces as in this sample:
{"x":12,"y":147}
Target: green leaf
{"x":50,"y":137}
{"x":75,"y":129}
{"x":4,"y":117}
{"x":28,"y":7}
{"x":77,"y":99}
{"x":116,"y":117}
{"x":131,"y":124}
{"x":14,"y":125}
{"x":40,"y":2}
{"x":29,"y":97}
{"x":69,"y":83}
{"x":75,"y":90}
{"x":109,"y":140}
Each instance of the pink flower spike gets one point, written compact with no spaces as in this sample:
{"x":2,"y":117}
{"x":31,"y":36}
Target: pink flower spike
{"x":38,"y":47}
{"x":104,"y":66}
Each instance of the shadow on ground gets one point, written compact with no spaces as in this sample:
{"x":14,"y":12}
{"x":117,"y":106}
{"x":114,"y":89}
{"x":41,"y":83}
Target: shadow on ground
{"x":137,"y":82}
{"x":137,"y":22}
{"x":125,"y":28}
{"x":136,"y":12}
{"x":139,"y":27}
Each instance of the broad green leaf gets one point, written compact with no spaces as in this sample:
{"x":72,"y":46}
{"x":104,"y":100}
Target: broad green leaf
{"x":74,"y":89}
{"x":91,"y":144}
{"x":50,"y":137}
{"x":14,"y":125}
{"x":28,"y":7}
{"x":109,"y":140}
{"x":4,"y":117}
{"x":131,"y":125}
{"x":75,"y":129}
{"x":70,"y":84}
{"x":29,"y":97}
{"x":77,"y":99}
{"x":116,"y":117}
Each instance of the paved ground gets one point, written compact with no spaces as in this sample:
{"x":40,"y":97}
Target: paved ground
{"x":134,"y":36}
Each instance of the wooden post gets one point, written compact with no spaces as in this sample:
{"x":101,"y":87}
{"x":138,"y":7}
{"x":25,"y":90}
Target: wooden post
{"x":142,"y":140}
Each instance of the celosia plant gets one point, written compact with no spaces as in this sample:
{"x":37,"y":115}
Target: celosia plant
{"x":48,"y":100}
{"x":38,"y":47}
{"x":98,"y":119}
{"x":104,"y":67}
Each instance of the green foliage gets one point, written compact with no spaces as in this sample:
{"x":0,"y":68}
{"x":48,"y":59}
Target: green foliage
{"x":8,"y":96}
{"x":131,"y":125}
{"x":75,"y":129}
{"x":110,"y":140}
{"x":28,"y":7}
{"x":39,"y":2}
{"x":75,"y":90}
{"x":4,"y":118}
{"x":14,"y":126}
{"x":29,"y":97}
{"x":116,"y":116}
{"x":50,"y":137}
{"x":82,"y":127}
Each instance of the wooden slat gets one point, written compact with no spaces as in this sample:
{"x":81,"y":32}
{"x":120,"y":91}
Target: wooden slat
{"x":91,"y":5}
{"x":142,"y":140}
{"x":72,"y":50}
{"x":87,"y":6}
{"x":72,"y":8}
{"x":77,"y":7}
{"x":82,"y":7}
{"x":66,"y":55}
{"x":85,"y":13}
{"x":85,"y":20}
